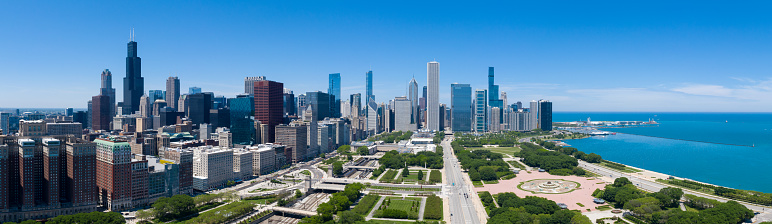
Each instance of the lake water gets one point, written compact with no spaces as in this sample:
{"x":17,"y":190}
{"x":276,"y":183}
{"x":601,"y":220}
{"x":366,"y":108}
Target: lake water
{"x":742,"y":167}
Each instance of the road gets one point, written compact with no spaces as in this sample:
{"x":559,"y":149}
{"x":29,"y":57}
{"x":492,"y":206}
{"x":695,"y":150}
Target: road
{"x":462,"y":207}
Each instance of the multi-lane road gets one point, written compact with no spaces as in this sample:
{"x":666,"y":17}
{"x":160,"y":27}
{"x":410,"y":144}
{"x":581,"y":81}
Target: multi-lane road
{"x":462,"y":207}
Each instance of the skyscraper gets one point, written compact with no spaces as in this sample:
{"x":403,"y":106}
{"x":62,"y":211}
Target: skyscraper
{"x":242,"y":119}
{"x":461,"y":106}
{"x":249,"y":84}
{"x":289,"y":102}
{"x":335,"y":97}
{"x":156,"y":95}
{"x":145,"y":109}
{"x":198,"y":107}
{"x":493,"y":94}
{"x":100,"y":112}
{"x":413,"y":97}
{"x":402,"y":114}
{"x":433,"y":95}
{"x":534,"y":112}
{"x":108,"y":90}
{"x":113,"y":169}
{"x":172,"y":91}
{"x":545,"y":115}
{"x":133,"y":83}
{"x":294,"y":136}
{"x":356,"y":104}
{"x":268,"y":105}
{"x":320,"y":102}
{"x":480,"y":110}
{"x":369,"y":88}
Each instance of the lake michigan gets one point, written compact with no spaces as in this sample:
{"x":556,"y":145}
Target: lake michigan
{"x":726,"y":149}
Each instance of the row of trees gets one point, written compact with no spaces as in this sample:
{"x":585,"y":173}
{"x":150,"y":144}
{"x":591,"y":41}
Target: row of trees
{"x":395,"y":160}
{"x":532,"y":209}
{"x":548,"y":160}
{"x":661,"y":206}
{"x":571,"y":151}
{"x":340,"y":201}
{"x":82,"y":218}
{"x":391,"y":137}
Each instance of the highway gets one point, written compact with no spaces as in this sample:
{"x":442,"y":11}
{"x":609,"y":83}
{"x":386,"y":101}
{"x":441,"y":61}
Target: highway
{"x":462,"y":207}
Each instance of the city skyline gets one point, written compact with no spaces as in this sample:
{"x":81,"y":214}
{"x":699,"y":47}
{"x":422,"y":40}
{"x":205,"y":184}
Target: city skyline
{"x":672,"y":62}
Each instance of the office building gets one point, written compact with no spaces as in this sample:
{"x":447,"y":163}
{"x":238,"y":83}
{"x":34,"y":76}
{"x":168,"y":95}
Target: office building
{"x":32,"y":128}
{"x":480,"y":110}
{"x":268,"y":105}
{"x":320,"y":102}
{"x":80,"y":181}
{"x":461,"y":106}
{"x":288,"y":99}
{"x":369,"y":96}
{"x":172,"y":91}
{"x":100,"y":112}
{"x":220,"y":117}
{"x":133,"y":83}
{"x":294,"y":136}
{"x":414,"y":99}
{"x":145,"y":106}
{"x":372,"y":118}
{"x":113,"y":169}
{"x":335,"y":96}
{"x":356,"y":104}
{"x":242,"y":119}
{"x":545,"y":115}
{"x":249,"y":84}
{"x":495,"y":121}
{"x":156,"y":95}
{"x":74,"y":129}
{"x":183,"y":157}
{"x":242,"y":164}
{"x":264,"y":158}
{"x":193,"y":90}
{"x":433,"y":95}
{"x":403,"y":113}
{"x":345,"y":109}
{"x":79,"y":117}
{"x":5,"y":122}
{"x":198,"y":107}
{"x":212,"y":167}
{"x":108,"y":90}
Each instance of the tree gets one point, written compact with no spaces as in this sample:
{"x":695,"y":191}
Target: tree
{"x":405,"y":172}
{"x":363,"y":150}
{"x":143,"y":215}
{"x":337,"y":168}
{"x":349,"y":157}
{"x":349,"y":217}
{"x":344,"y":149}
{"x":474,"y":175}
{"x":420,"y":175}
{"x":321,"y":155}
{"x":622,"y":181}
{"x":230,"y":183}
{"x":487,"y":173}
{"x":298,"y":194}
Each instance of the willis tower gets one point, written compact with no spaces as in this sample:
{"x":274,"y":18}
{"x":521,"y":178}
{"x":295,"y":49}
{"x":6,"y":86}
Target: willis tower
{"x":133,"y":83}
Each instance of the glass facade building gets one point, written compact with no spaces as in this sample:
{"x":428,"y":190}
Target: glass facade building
{"x":461,"y":107}
{"x":242,"y":119}
{"x":480,"y":110}
{"x":335,"y":97}
{"x":320,"y":102}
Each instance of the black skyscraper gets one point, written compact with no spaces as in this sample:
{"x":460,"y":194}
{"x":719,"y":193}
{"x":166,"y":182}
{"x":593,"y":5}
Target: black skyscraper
{"x":133,"y":83}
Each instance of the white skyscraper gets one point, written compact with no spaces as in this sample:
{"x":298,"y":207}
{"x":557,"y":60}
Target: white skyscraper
{"x":433,"y":95}
{"x":402,"y":114}
{"x":534,"y":111}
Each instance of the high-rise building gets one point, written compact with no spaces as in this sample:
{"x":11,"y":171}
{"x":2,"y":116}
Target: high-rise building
{"x":369,"y":96}
{"x":198,"y":107}
{"x":481,"y":110}
{"x":288,"y":98}
{"x":461,"y":106}
{"x":51,"y":171}
{"x":212,"y":167}
{"x":372,"y":118}
{"x":335,"y":97}
{"x":193,"y":90}
{"x":495,"y":120}
{"x":264,"y":158}
{"x":433,"y":95}
{"x":5,"y":174}
{"x":145,"y":106}
{"x":268,"y":105}
{"x":5,"y":122}
{"x":100,"y":113}
{"x":184,"y":157}
{"x":133,"y":83}
{"x":242,"y":164}
{"x":294,"y":136}
{"x":242,"y":119}
{"x":80,"y":180}
{"x":64,"y":129}
{"x":356,"y":104}
{"x":249,"y":84}
{"x":301,"y":104}
{"x":413,"y":97}
{"x":402,"y":114}
{"x":545,"y":115}
{"x":156,"y":95}
{"x":320,"y":102}
{"x":108,"y":90}
{"x":534,"y":111}
{"x":172,"y":91}
{"x":113,"y":169}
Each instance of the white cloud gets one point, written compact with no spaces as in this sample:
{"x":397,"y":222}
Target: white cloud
{"x":705,"y":90}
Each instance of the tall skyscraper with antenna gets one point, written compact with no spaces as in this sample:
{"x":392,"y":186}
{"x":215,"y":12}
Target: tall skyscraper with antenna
{"x":133,"y":83}
{"x":369,"y":89}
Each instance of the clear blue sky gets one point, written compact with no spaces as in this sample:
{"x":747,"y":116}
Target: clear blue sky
{"x":605,"y":56}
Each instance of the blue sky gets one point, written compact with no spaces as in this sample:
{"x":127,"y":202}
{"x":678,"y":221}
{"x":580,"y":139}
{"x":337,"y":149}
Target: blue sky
{"x":599,"y":56}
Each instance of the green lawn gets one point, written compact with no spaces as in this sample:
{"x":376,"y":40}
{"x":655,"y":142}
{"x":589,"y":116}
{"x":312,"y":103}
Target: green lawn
{"x":517,"y":164}
{"x":403,"y":188}
{"x":477,"y":183}
{"x":503,"y":150}
{"x":603,"y":208}
{"x":491,"y":181}
{"x":306,"y":172}
{"x":627,"y":169}
{"x":408,"y":205}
